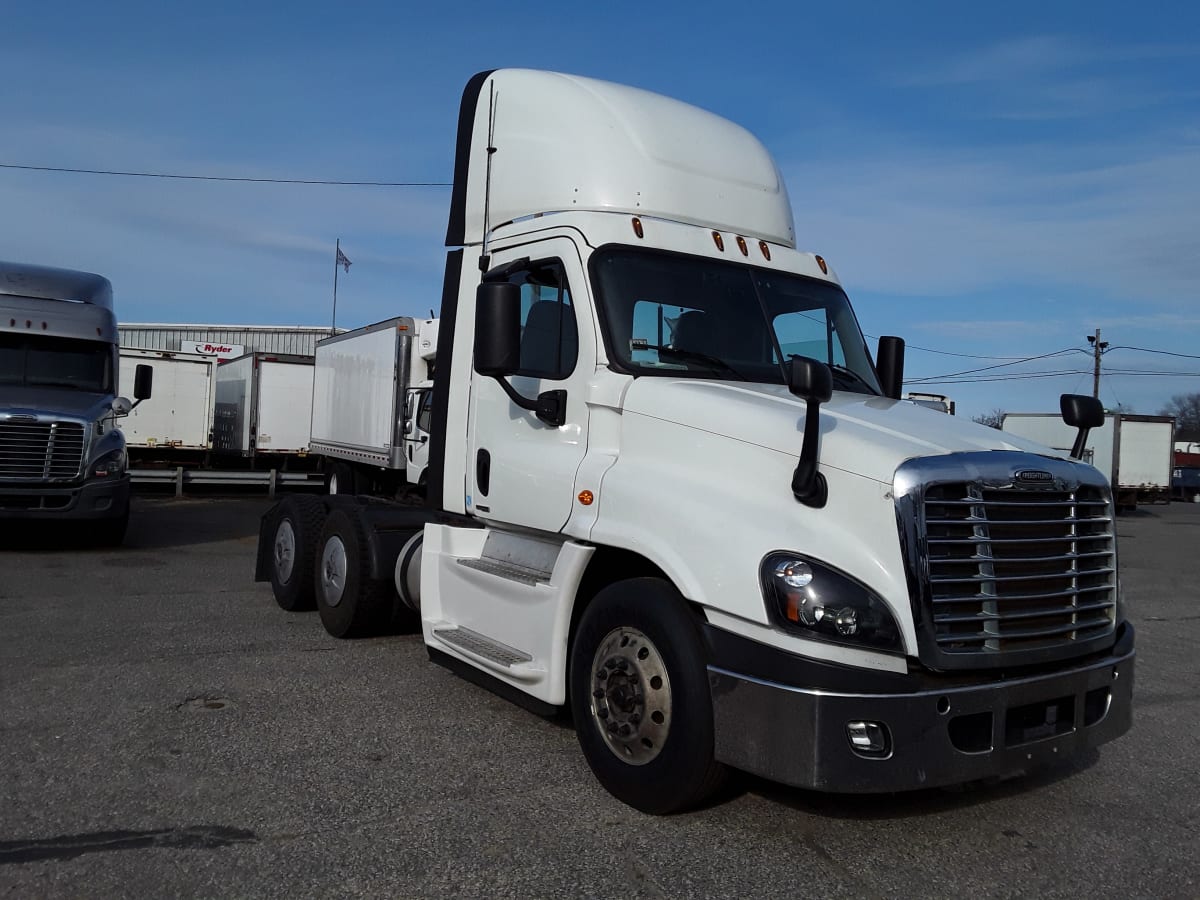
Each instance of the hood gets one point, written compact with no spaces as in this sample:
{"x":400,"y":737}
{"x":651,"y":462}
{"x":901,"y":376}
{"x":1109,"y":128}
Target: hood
{"x":53,"y":402}
{"x":860,"y":434}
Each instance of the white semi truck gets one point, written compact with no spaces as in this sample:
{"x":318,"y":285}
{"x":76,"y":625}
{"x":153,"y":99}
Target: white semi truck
{"x":671,"y":491}
{"x":62,"y":456}
{"x":372,"y":399}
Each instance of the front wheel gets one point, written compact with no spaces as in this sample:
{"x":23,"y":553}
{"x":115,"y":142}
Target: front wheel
{"x":640,"y":698}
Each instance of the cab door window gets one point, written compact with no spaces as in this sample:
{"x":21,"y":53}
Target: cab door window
{"x":549,"y":334}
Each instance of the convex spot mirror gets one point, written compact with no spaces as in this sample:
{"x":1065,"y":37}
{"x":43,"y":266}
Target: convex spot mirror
{"x":121,"y":406}
{"x":810,"y":379}
{"x":1081,"y":411}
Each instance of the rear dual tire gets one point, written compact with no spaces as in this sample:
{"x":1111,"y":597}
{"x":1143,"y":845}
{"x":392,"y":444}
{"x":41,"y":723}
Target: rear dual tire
{"x":293,"y":551}
{"x":350,"y":603}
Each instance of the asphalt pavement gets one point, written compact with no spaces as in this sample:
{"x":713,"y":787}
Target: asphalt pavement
{"x":167,"y":730}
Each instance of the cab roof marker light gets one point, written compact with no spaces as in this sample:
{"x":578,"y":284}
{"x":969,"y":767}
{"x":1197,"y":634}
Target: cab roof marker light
{"x":824,"y":266}
{"x":637,"y":227}
{"x":719,"y":241}
{"x":766,"y":250}
{"x":741,"y":242}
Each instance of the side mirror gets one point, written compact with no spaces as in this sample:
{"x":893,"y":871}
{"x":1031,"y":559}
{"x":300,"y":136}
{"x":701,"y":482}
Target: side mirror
{"x":121,"y":406}
{"x":812,"y":381}
{"x":497,"y":329}
{"x":889,"y":365}
{"x":143,"y":382}
{"x":1082,"y":412}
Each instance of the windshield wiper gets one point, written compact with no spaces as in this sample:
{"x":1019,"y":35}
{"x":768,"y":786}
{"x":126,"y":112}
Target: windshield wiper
{"x":714,"y":362}
{"x":847,"y":374}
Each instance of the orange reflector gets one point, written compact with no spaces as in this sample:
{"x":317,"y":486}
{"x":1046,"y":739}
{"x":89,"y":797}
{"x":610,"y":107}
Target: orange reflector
{"x":586,"y":498}
{"x":766,"y":250}
{"x":402,"y":328}
{"x":741,"y":242}
{"x":637,"y":226}
{"x":824,"y":267}
{"x":719,"y":241}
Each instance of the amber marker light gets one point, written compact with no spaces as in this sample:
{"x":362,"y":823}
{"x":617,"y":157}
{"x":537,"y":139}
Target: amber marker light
{"x":741,"y":242}
{"x":586,"y":498}
{"x":766,"y":250}
{"x":719,"y":241}
{"x":821,"y":263}
{"x":637,"y":226}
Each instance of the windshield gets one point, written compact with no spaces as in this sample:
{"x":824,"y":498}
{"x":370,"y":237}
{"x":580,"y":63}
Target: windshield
{"x":33,"y":359}
{"x":669,"y":314}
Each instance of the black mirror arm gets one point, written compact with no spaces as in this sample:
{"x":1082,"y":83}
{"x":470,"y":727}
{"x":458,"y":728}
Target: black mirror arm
{"x":809,"y":485}
{"x":1080,"y":443}
{"x":549,"y":406}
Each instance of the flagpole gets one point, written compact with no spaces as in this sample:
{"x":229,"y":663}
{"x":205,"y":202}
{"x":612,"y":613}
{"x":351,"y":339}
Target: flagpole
{"x":336,"y":256}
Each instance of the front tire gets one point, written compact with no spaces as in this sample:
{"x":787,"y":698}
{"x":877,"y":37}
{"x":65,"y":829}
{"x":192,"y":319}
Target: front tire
{"x":293,"y":551}
{"x":350,"y":603}
{"x":640,"y":698}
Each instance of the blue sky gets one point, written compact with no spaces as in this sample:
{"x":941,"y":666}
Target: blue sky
{"x":987,"y":179}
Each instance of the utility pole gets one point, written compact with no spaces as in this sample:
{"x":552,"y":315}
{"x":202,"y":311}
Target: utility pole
{"x":1098,"y":347}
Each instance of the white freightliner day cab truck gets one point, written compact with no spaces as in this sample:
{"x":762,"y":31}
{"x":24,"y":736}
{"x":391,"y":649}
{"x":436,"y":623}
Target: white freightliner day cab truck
{"x":670,"y":490}
{"x":62,"y":456}
{"x":371,"y":406}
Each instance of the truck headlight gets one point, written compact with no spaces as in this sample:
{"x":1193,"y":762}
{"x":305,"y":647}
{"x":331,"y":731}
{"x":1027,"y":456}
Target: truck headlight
{"x":819,"y":602}
{"x":110,"y":465}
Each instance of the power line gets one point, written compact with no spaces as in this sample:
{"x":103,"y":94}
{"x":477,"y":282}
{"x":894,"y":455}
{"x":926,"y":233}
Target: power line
{"x":1148,"y":350}
{"x":227,"y":177}
{"x":1016,"y":361}
{"x":908,"y":346}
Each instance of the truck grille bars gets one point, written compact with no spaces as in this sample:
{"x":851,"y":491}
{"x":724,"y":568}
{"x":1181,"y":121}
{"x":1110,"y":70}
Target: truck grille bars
{"x":40,"y":451}
{"x":1010,"y":573}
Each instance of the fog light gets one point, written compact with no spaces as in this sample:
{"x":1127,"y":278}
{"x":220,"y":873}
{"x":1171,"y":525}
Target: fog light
{"x":868,"y":738}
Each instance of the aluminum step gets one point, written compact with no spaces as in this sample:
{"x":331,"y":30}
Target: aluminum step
{"x":508,"y":570}
{"x":480,"y":645}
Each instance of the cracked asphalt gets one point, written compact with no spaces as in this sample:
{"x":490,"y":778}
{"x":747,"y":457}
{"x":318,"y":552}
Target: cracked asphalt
{"x":167,"y":730}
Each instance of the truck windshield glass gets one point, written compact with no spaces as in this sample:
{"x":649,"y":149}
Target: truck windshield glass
{"x":669,"y":314}
{"x":37,"y":360}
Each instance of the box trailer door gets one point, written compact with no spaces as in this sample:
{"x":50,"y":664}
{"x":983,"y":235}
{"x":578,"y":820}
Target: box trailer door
{"x":1146,"y":457}
{"x":285,"y":397}
{"x":179,"y":413}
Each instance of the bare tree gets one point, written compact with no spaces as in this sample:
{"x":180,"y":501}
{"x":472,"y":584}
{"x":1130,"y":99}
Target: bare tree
{"x":991,"y":419}
{"x":1186,"y":410}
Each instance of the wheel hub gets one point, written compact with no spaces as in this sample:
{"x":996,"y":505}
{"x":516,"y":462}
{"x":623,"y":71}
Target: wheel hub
{"x":631,"y":696}
{"x":333,"y":571}
{"x":285,"y":551}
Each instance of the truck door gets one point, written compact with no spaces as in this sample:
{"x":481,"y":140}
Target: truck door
{"x":419,"y":412}
{"x":521,"y":470}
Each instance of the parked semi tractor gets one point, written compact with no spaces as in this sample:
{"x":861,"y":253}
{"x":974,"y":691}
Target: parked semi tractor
{"x":671,"y":490}
{"x":62,"y":456}
{"x":371,"y":406}
{"x":1134,"y":452}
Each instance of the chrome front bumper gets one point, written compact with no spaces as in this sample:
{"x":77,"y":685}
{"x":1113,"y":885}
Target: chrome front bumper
{"x":798,"y":735}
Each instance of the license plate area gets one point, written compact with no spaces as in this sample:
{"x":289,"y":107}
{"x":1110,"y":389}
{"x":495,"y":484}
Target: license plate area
{"x":1038,"y":721}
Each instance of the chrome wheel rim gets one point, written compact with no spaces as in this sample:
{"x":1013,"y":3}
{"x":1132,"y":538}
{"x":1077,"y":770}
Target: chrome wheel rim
{"x":631,"y":696}
{"x":333,"y":571}
{"x":285,"y":551}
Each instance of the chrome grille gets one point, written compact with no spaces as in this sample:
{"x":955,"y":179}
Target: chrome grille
{"x":1013,"y":569}
{"x":40,"y":450}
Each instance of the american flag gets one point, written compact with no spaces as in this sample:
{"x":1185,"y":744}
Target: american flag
{"x":343,"y":260}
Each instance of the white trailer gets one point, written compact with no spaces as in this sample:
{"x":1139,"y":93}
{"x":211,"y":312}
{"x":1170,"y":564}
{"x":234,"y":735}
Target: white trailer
{"x":179,"y":417}
{"x":264,"y":405}
{"x":371,"y":390}
{"x":1134,"y":452}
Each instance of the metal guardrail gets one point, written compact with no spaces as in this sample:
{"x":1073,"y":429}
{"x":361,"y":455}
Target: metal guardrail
{"x":272,"y":479}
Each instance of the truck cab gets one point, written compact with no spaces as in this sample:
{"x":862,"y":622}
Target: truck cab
{"x":61,"y":455}
{"x":672,"y":490}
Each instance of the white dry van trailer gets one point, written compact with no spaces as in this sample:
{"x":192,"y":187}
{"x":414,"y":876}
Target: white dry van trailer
{"x":264,"y":405}
{"x":62,"y":456}
{"x":1134,"y":452}
{"x":180,"y":415}
{"x":371,"y":395}
{"x":671,"y":490}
